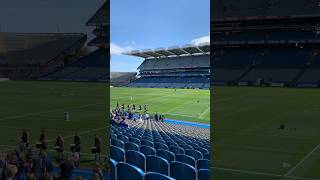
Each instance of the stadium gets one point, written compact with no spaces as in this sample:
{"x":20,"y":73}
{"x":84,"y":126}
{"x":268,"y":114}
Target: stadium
{"x":166,"y":130}
{"x":159,"y":94}
{"x":266,"y":80}
{"x":53,"y":113}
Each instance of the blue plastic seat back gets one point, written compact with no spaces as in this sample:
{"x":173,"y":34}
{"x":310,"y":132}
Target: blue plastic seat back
{"x":131,"y":146}
{"x":204,"y":174}
{"x":156,"y":176}
{"x":123,"y":138}
{"x":157,"y":164}
{"x":186,"y":159}
{"x":203,"y":164}
{"x":186,"y":146}
{"x":147,"y":143}
{"x":135,"y":158}
{"x":113,"y":165}
{"x":194,"y":153}
{"x":169,"y":156}
{"x":117,"y":143}
{"x":182,"y":171}
{"x":159,"y":146}
{"x":135,"y":140}
{"x":202,"y":150}
{"x":117,"y":153}
{"x":127,"y":171}
{"x":146,"y":150}
{"x":206,"y":156}
{"x":176,"y":150}
{"x":113,"y":136}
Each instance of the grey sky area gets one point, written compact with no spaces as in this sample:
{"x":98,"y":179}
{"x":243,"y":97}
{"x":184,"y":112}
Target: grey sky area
{"x":47,"y":15}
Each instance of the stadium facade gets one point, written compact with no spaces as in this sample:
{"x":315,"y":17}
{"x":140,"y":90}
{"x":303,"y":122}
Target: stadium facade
{"x":28,"y":55}
{"x":272,"y":43}
{"x":174,"y":67}
{"x":94,"y":66}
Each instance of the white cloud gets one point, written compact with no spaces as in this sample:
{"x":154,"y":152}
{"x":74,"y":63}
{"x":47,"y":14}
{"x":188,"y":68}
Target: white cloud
{"x":204,"y":39}
{"x":118,"y":50}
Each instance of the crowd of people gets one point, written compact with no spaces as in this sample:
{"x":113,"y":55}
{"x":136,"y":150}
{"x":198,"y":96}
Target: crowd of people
{"x":120,"y":115}
{"x":32,"y":162}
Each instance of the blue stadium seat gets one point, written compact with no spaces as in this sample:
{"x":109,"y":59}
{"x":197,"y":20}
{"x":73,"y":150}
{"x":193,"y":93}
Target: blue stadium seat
{"x":171,"y":143}
{"x":158,"y":146}
{"x":135,"y":158}
{"x":117,"y":153}
{"x":123,"y":138}
{"x":159,"y":141}
{"x":176,"y":150}
{"x":156,"y":176}
{"x":206,"y":156}
{"x":127,"y":134}
{"x":127,"y":171}
{"x":131,"y":146}
{"x":147,"y":143}
{"x":113,"y":165}
{"x":146,"y":150}
{"x":113,"y":136}
{"x":148,"y":138}
{"x":204,"y":174}
{"x":202,"y":150}
{"x":194,"y":145}
{"x":135,"y":140}
{"x":137,"y":136}
{"x":186,"y":159}
{"x":203,"y":164}
{"x":182,"y":171}
{"x":186,"y":146}
{"x":194,"y":153}
{"x":157,"y":164}
{"x":117,"y":143}
{"x":169,"y":156}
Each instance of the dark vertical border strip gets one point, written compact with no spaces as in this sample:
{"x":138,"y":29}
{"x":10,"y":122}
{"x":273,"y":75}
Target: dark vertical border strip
{"x":108,"y":84}
{"x":212,"y":122}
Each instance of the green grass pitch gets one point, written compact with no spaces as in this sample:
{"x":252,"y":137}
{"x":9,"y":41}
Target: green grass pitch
{"x":182,"y":104}
{"x":248,"y":143}
{"x":41,"y":105}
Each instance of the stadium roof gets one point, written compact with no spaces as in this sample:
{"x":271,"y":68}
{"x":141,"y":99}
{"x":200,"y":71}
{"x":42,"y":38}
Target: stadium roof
{"x":186,"y":50}
{"x":101,"y":17}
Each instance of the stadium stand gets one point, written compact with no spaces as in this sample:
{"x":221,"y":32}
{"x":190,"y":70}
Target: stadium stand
{"x":275,"y":48}
{"x":175,"y":67}
{"x":121,"y":78}
{"x":93,"y":66}
{"x":149,"y":146}
{"x":28,"y":55}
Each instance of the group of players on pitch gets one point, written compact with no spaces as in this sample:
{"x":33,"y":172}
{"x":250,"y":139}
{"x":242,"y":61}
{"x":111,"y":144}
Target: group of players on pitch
{"x":59,"y":146}
{"x":120,"y":115}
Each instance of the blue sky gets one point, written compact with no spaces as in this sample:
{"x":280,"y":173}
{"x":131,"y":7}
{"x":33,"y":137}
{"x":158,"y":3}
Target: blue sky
{"x":144,"y":24}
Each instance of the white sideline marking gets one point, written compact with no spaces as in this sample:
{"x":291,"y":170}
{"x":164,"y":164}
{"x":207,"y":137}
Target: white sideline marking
{"x":265,"y":174}
{"x":204,"y":112}
{"x":302,"y":161}
{"x":53,"y":110}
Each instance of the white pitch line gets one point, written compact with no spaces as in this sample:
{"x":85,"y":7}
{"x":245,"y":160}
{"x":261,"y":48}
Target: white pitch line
{"x":302,"y":161}
{"x":248,"y":172}
{"x":204,"y":112}
{"x":45,"y":112}
{"x":263,"y":173}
